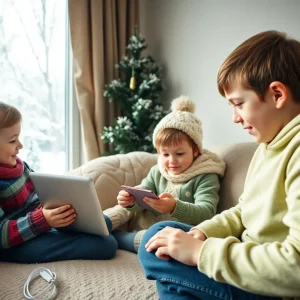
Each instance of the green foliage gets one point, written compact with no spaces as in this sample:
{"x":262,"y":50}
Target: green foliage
{"x":141,"y":106}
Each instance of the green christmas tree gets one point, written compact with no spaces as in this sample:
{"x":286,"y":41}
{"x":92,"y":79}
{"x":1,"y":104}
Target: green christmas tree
{"x":137,"y":92}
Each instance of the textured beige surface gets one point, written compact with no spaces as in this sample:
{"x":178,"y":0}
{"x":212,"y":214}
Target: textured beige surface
{"x":119,"y":278}
{"x":122,"y":277}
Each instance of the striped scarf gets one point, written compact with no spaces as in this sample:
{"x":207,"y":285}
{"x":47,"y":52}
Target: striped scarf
{"x":7,"y":172}
{"x":16,"y":187}
{"x":20,"y":217}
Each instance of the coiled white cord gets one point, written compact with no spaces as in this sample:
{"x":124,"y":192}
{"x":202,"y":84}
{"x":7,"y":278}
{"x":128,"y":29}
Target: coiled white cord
{"x":49,"y":292}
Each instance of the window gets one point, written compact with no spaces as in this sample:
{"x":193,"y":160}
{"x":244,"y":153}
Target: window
{"x":34,"y":56}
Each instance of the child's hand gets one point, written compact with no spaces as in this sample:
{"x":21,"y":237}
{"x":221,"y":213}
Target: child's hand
{"x":175,"y":243}
{"x":197,"y":234}
{"x":165,"y":204}
{"x":125,"y":199}
{"x":59,"y":217}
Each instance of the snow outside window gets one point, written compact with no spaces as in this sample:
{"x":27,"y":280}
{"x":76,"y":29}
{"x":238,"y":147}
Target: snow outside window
{"x":34,"y":59}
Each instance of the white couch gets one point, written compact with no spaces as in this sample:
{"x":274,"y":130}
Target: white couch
{"x":121,"y":277}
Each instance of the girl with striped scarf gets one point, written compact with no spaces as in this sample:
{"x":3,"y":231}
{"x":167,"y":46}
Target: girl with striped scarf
{"x":28,"y":232}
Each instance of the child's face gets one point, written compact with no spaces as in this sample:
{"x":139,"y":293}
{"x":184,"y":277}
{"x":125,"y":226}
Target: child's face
{"x":260,"y":118}
{"x":176,"y":159}
{"x":10,"y":144}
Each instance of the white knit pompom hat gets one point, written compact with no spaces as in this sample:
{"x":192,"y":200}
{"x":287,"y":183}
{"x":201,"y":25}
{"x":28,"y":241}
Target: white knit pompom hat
{"x":182,"y":118}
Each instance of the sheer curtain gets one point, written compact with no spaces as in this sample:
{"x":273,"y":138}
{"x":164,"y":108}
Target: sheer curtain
{"x":99,"y":31}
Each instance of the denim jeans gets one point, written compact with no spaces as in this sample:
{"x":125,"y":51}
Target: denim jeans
{"x":125,"y":240}
{"x":175,"y":280}
{"x":62,"y":245}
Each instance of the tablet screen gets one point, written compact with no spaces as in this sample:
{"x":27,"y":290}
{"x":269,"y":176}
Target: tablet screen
{"x":139,"y":194}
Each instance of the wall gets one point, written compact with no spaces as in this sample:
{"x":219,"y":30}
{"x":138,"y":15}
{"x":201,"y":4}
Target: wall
{"x":191,"y":38}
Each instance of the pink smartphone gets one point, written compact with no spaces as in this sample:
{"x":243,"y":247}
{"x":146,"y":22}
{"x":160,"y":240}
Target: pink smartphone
{"x":139,"y":194}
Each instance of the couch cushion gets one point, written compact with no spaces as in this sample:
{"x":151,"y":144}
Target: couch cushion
{"x":110,"y":172}
{"x":237,"y":158}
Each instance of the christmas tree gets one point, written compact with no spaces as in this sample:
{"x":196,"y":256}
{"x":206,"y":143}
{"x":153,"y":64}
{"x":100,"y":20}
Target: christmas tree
{"x":137,"y":92}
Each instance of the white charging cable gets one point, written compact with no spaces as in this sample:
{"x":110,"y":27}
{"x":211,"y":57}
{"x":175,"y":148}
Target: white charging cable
{"x":46,"y":294}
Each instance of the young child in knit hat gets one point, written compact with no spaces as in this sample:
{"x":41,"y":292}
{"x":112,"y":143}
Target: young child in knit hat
{"x":186,"y":179}
{"x":27,"y":230}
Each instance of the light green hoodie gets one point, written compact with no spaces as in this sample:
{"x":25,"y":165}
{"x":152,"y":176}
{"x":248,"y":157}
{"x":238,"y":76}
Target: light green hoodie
{"x":256,"y":244}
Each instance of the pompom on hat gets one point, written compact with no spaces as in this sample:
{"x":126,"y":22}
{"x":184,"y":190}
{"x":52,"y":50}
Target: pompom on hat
{"x":182,"y":118}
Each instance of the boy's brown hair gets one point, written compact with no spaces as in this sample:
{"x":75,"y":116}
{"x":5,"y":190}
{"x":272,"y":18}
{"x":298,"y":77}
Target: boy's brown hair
{"x":172,"y":136}
{"x":9,"y":115}
{"x":265,"y":57}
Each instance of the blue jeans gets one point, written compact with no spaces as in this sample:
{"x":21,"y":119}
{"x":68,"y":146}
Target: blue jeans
{"x":62,"y":245}
{"x":175,"y":280}
{"x":125,"y":240}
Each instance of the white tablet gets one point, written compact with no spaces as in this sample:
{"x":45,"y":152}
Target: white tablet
{"x":79,"y":192}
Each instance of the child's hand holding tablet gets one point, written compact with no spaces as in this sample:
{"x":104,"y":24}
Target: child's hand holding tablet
{"x":139,"y":194}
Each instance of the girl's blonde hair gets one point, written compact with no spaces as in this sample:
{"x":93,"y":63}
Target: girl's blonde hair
{"x":9,"y":115}
{"x":172,"y":136}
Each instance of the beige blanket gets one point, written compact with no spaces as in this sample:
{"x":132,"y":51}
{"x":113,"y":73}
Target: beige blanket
{"x":103,"y":279}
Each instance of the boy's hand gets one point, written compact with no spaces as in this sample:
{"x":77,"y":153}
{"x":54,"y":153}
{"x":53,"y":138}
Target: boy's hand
{"x":165,"y":204}
{"x":197,"y":234}
{"x":175,"y":243}
{"x":125,"y":199}
{"x":59,"y":217}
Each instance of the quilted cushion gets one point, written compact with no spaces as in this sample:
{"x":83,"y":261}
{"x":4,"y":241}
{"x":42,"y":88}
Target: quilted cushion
{"x":110,"y":172}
